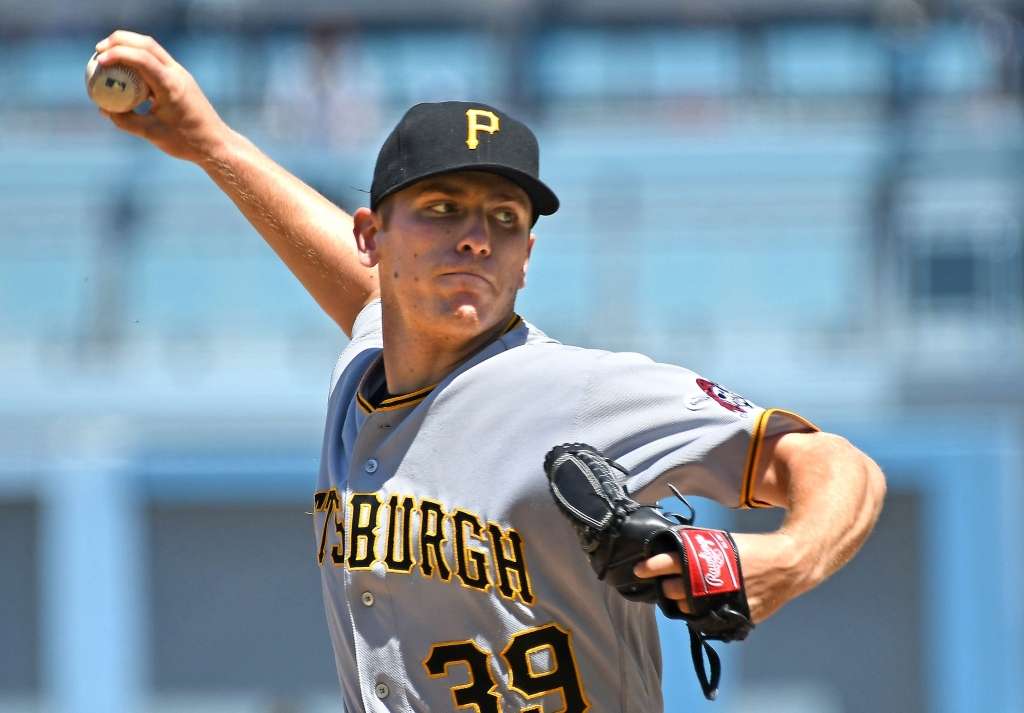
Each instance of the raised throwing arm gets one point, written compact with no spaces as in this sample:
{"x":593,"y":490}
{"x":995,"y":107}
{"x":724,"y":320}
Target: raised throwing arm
{"x":833,"y":494}
{"x":309,"y":233}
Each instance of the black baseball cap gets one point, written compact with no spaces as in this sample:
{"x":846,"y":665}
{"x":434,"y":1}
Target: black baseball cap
{"x":443,"y":137}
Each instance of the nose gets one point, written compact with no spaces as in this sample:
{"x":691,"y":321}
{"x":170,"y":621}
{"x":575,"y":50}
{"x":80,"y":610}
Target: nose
{"x":477,"y":239}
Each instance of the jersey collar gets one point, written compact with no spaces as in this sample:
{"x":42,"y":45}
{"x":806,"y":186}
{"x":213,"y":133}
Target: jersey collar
{"x":372,"y":394}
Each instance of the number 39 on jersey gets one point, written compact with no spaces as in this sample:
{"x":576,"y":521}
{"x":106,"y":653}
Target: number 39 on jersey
{"x":547,"y":646}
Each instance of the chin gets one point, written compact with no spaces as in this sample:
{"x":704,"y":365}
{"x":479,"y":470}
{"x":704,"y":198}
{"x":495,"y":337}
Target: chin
{"x":467,"y":313}
{"x":462,"y":319}
{"x":469,"y":317}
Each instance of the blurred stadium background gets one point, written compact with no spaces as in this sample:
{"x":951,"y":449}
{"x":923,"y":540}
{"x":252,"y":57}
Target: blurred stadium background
{"x":815,"y":203}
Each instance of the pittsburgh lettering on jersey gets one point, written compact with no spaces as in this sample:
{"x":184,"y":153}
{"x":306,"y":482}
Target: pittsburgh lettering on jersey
{"x":398,"y":557}
{"x":470,"y":563}
{"x":365,"y":509}
{"x":327,"y":501}
{"x":432,"y":539}
{"x":405,"y":535}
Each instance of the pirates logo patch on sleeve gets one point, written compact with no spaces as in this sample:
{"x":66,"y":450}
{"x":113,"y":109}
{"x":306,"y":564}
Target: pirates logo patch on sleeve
{"x":727,"y":399}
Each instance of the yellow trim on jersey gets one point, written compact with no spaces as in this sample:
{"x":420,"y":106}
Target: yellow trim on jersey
{"x":390,"y":403}
{"x":529,"y":659}
{"x":512,"y":324}
{"x":754,"y":454}
{"x":393,"y":402}
{"x":410,"y":399}
{"x":364,"y":404}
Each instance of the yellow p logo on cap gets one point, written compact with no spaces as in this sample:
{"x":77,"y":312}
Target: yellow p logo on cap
{"x":475,"y":126}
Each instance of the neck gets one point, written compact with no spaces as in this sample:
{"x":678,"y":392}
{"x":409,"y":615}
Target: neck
{"x":415,"y":358}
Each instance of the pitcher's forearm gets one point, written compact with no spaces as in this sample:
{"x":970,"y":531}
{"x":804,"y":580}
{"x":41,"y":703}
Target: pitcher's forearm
{"x":309,"y":233}
{"x":833,"y":494}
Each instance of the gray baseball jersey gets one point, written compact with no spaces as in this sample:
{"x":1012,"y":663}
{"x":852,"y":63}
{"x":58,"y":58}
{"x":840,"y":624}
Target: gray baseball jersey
{"x":450,"y":577}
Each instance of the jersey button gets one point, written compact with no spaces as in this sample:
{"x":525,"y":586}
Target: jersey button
{"x":371,"y":466}
{"x":382,"y":690}
{"x":368,"y":599}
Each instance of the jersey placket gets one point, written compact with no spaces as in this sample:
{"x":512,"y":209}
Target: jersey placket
{"x":378,"y":652}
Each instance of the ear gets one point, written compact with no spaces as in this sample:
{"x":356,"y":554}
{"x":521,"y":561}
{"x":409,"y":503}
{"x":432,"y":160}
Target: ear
{"x":366,"y":227}
{"x":526,"y":262}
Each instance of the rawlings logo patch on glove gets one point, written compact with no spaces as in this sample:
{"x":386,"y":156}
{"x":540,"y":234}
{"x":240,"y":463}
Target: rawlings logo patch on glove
{"x":618,"y":533}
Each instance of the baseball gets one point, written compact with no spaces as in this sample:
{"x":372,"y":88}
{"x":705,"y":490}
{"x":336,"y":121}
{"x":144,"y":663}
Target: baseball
{"x":116,"y":88}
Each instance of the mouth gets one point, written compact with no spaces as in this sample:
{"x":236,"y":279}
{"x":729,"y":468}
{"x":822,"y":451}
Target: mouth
{"x":470,"y":277}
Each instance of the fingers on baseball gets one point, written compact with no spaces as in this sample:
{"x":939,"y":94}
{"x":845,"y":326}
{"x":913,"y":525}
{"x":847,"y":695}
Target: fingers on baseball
{"x":659,"y":566}
{"x":155,"y":74}
{"x":134,"y":39}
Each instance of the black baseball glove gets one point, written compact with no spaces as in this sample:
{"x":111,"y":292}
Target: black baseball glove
{"x":617,"y":533}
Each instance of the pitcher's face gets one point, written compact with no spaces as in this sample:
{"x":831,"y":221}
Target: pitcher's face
{"x":453,"y":250}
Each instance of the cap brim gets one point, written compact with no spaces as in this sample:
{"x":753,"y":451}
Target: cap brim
{"x":542,"y":199}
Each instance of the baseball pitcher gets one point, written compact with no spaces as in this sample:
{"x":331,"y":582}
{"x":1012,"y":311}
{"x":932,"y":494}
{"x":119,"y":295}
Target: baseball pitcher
{"x":485,"y":520}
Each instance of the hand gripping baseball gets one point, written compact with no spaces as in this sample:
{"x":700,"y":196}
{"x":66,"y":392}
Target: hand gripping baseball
{"x":617,"y":533}
{"x":181,"y":121}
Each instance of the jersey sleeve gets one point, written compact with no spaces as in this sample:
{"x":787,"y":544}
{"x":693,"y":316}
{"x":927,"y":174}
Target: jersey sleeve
{"x":666,"y":424}
{"x":367,"y":333}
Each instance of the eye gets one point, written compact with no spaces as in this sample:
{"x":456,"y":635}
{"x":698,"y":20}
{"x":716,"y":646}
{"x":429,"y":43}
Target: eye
{"x":443,"y":208}
{"x":505,"y":216}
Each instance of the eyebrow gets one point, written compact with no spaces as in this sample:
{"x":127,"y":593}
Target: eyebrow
{"x":442,"y":186}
